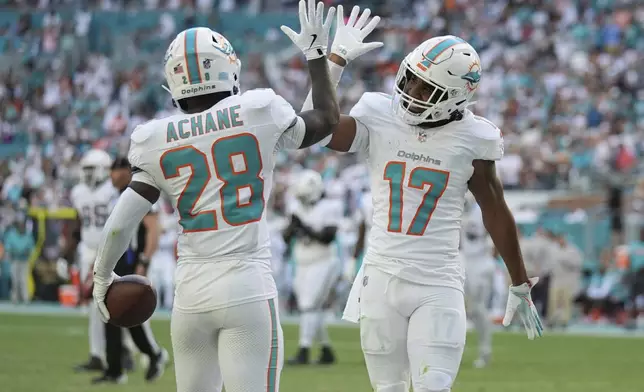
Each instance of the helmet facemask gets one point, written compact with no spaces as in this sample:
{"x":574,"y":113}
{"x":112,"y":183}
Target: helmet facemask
{"x":93,"y":176}
{"x":418,"y":95}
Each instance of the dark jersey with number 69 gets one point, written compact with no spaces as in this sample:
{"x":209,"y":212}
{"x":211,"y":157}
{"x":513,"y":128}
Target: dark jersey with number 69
{"x":93,"y":206}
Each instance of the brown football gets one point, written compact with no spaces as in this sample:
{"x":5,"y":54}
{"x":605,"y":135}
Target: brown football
{"x":131,"y":300}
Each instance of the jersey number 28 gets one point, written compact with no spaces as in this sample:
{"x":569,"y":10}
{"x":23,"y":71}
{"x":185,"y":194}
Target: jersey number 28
{"x":245,"y":148}
{"x":419,"y":178}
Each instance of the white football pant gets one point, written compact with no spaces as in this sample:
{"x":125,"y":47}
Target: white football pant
{"x":313,"y":285}
{"x":241,"y":346}
{"x":410,"y":332}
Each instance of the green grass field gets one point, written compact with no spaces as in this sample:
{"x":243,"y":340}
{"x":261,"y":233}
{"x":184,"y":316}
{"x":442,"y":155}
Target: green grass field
{"x":37,"y":354}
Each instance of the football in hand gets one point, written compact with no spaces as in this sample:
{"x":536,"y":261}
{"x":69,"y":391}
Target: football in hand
{"x":131,"y":301}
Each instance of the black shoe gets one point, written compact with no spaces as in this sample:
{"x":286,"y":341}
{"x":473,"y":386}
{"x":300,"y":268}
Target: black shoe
{"x":327,"y":357}
{"x":157,"y":366}
{"x":107,"y":379}
{"x":128,"y":362}
{"x":94,"y":364}
{"x":302,"y":357}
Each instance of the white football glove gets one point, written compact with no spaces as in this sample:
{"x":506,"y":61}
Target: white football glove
{"x":314,"y":37}
{"x":348,"y":37}
{"x":519,"y":299}
{"x":99,"y":292}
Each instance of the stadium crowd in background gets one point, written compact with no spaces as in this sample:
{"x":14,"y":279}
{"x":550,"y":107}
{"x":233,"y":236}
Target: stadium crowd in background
{"x":560,"y":79}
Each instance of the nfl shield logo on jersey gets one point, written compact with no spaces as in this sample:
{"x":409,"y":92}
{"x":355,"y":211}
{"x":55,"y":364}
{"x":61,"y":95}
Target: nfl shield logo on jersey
{"x":206,"y":63}
{"x":422,"y":136}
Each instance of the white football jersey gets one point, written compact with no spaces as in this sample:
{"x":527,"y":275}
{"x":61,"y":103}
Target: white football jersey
{"x":325,"y":213}
{"x":217,"y":169}
{"x":418,"y":183}
{"x":93,"y":206}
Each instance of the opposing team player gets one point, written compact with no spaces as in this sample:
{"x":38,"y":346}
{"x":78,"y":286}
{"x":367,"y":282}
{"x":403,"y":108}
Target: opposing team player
{"x":477,"y":250}
{"x":425,"y":150}
{"x":312,"y":231}
{"x":92,"y":198}
{"x":215,"y":162}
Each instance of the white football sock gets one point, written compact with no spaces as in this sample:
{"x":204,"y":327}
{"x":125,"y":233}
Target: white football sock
{"x":96,"y":333}
{"x":307,"y":328}
{"x":322,"y":331}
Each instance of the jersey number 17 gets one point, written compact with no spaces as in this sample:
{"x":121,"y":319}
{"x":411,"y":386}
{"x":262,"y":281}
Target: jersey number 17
{"x":419,"y":177}
{"x":225,"y":152}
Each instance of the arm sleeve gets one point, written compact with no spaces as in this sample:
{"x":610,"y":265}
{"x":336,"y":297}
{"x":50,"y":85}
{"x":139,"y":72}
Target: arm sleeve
{"x":118,"y":231}
{"x":135,"y":156}
{"x":492,"y":147}
{"x":364,"y":115}
{"x":361,"y":140}
{"x":144,"y":177}
{"x":290,"y":125}
{"x":292,"y":138}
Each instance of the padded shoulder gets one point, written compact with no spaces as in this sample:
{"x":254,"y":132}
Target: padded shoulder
{"x":486,"y":137}
{"x":264,"y":106}
{"x":485,"y":129}
{"x":141,"y":141}
{"x":372,"y":108}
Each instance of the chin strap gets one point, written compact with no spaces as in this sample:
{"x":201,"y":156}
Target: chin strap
{"x":455,"y":116}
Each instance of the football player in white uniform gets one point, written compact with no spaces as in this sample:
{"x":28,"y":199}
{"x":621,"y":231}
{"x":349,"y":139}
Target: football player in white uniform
{"x":312,"y":233}
{"x":477,"y":250}
{"x":425,"y":150}
{"x":215,"y":161}
{"x":92,"y":198}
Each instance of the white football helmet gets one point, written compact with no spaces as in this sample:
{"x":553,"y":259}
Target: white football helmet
{"x":95,"y":166}
{"x":436,"y":79}
{"x":200,"y":61}
{"x":308,"y":187}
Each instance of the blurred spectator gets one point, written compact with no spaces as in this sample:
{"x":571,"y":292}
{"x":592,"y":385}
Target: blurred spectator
{"x":601,"y":298}
{"x":19,"y":246}
{"x":538,"y":254}
{"x":631,"y":262}
{"x":5,"y":273}
{"x":565,"y":281}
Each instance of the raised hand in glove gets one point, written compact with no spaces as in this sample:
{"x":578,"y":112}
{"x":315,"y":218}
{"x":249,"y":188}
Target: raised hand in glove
{"x":519,"y":300}
{"x":314,"y":35}
{"x":347,"y":43}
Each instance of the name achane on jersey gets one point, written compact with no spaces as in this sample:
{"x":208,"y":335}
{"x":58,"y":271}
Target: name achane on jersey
{"x":203,"y":123}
